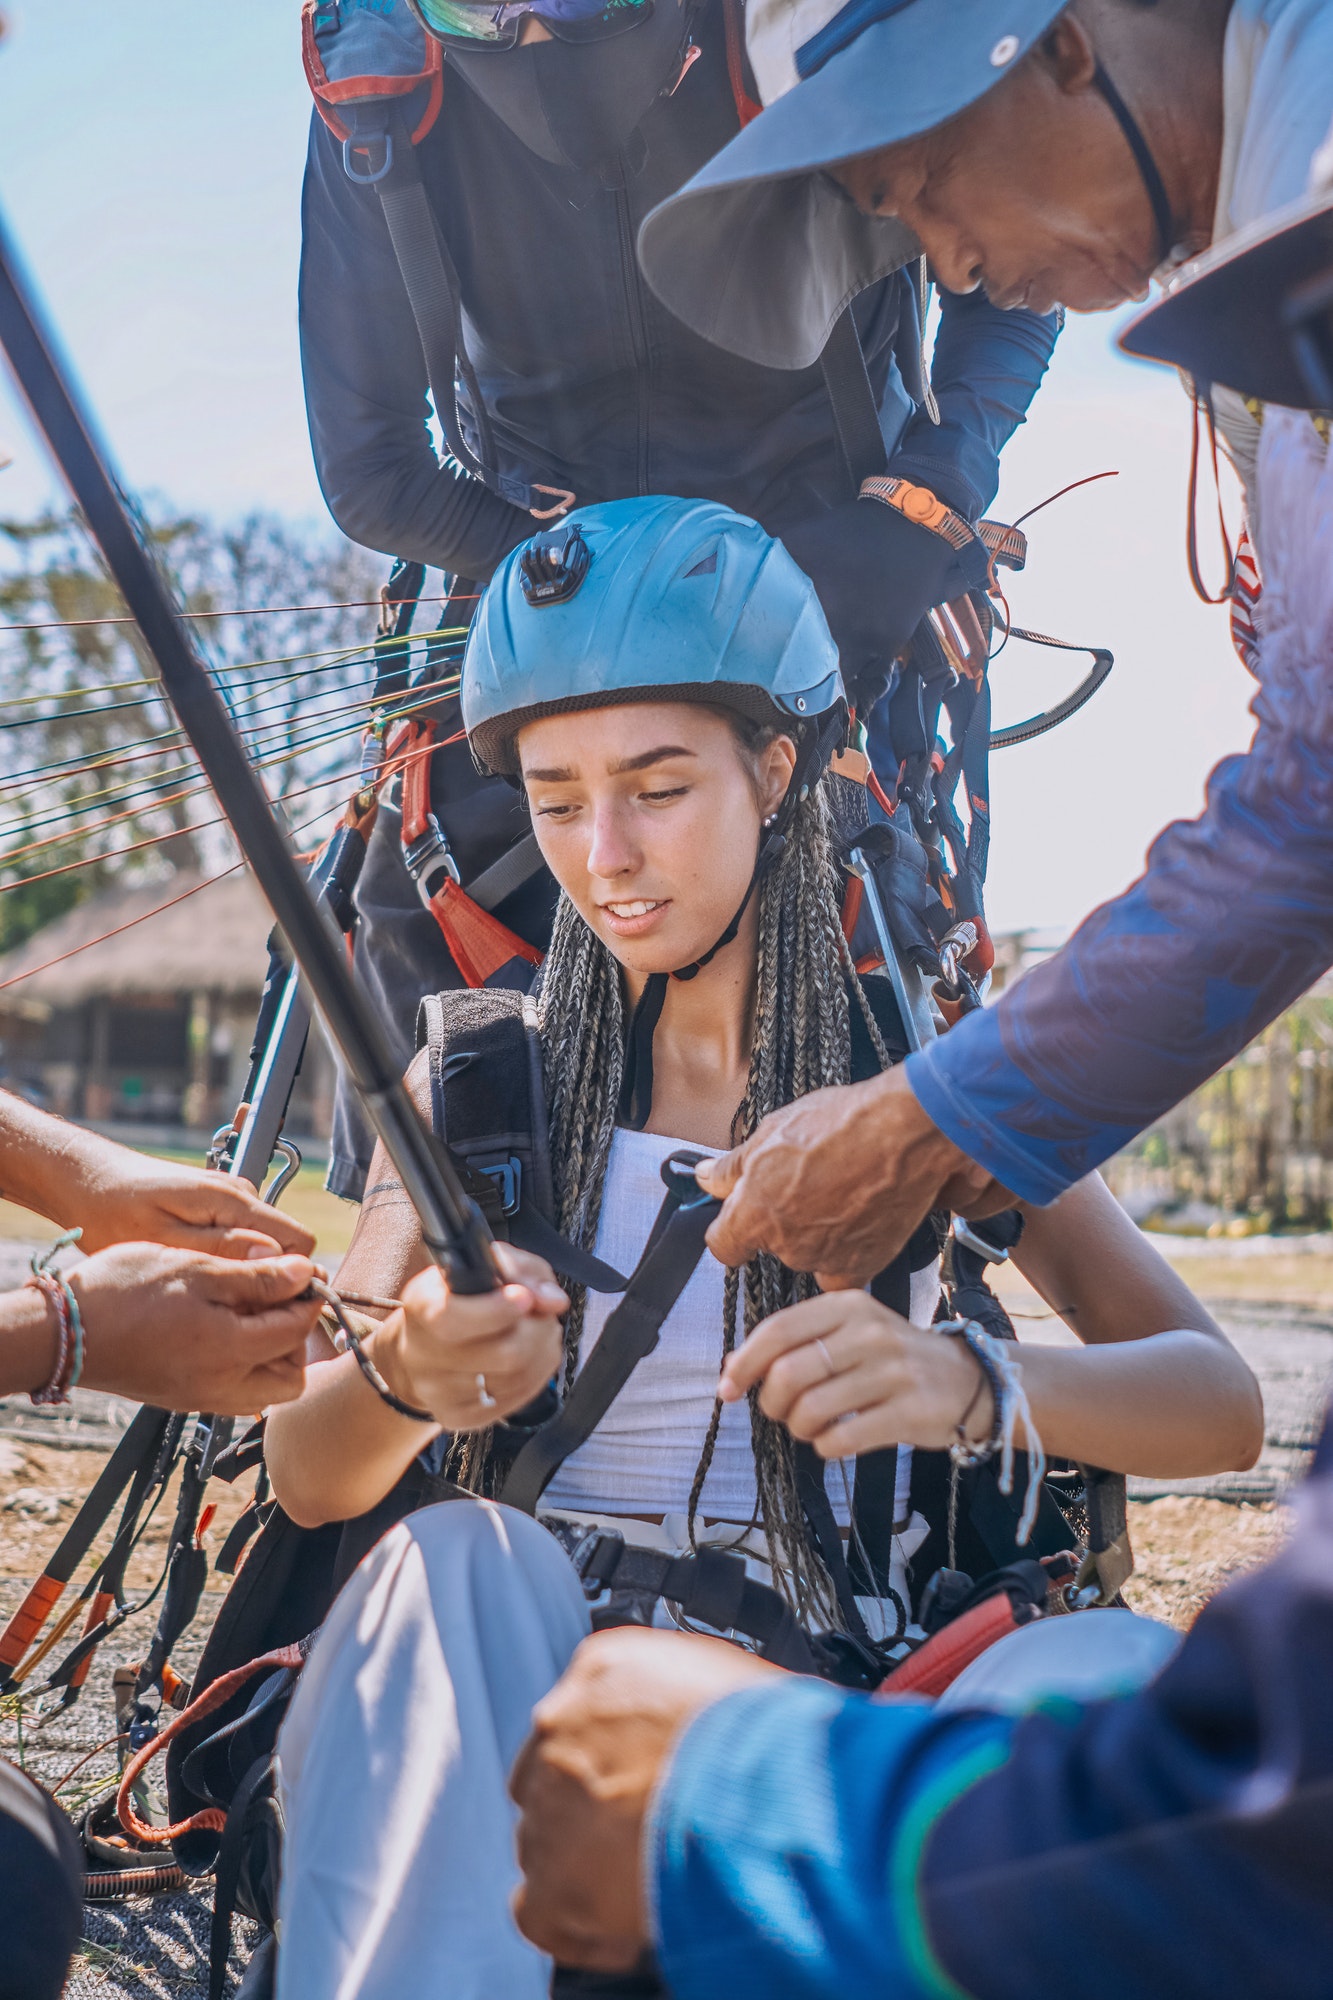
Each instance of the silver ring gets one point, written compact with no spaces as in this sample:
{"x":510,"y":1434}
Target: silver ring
{"x":484,"y":1396}
{"x":829,"y":1362}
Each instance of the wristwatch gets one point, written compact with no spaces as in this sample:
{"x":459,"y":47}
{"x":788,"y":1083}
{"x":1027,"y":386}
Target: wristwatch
{"x":919,"y":505}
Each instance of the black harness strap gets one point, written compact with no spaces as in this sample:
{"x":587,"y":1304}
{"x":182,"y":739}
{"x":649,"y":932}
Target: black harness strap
{"x":431,"y":284}
{"x":854,"y":413}
{"x":711,"y":1585}
{"x":631,"y":1333}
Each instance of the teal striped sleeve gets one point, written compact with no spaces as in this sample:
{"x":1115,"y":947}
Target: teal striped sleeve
{"x":785,"y":1842}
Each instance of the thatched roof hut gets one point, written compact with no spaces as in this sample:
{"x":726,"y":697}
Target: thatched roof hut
{"x":138,"y":1007}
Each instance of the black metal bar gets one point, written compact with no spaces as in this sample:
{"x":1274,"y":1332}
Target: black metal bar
{"x":451,"y":1224}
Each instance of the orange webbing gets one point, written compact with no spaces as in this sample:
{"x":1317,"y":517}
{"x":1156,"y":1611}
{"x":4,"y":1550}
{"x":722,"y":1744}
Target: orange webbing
{"x":479,"y":943}
{"x":102,"y":1603}
{"x":852,"y":898}
{"x":416,"y":781}
{"x":747,"y":107}
{"x":934,"y":1666}
{"x":212,"y":1819}
{"x":28,"y":1621}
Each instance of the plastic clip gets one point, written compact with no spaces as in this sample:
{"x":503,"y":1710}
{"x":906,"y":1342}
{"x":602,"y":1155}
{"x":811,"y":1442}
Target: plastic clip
{"x":429,"y":856}
{"x":352,"y":146}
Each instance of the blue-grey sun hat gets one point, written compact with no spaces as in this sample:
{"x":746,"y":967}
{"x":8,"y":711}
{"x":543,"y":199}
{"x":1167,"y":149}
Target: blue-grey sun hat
{"x":761,"y":251}
{"x":1256,"y":313}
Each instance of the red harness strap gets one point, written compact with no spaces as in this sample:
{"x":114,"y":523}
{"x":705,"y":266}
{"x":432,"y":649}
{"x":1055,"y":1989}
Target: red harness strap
{"x":479,"y":944}
{"x":934,"y":1666}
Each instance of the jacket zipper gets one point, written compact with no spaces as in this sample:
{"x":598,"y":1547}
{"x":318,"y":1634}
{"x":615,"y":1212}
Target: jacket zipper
{"x":638,"y":333}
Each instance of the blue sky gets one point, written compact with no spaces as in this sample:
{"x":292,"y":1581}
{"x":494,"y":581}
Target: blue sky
{"x":150,"y":162}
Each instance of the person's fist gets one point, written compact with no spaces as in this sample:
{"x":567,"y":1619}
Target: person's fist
{"x":585,"y":1776}
{"x":191,"y":1332}
{"x":473,"y":1360}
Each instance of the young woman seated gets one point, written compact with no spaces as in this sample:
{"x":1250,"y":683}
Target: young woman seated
{"x":665,"y":720}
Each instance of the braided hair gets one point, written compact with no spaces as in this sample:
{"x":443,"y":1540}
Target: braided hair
{"x":805,"y":984}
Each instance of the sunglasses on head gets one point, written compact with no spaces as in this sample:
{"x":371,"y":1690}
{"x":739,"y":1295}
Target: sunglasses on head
{"x":497,"y":24}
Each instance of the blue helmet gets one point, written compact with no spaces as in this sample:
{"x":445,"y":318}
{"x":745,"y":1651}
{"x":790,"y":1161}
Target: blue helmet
{"x":646,"y":600}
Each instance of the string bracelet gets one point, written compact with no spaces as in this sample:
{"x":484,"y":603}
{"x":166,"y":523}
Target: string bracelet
{"x":348,"y":1340}
{"x":1000,"y":1364}
{"x":59,"y":1295}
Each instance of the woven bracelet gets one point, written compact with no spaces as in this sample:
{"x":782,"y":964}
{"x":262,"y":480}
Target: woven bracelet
{"x":56,"y":1390}
{"x":363,"y":1361}
{"x":963,"y":1452}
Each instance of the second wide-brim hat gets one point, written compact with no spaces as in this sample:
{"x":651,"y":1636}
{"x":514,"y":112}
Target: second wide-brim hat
{"x":1256,"y":313}
{"x":761,"y":251}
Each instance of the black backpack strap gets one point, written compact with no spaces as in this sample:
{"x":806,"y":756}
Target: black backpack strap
{"x":854,"y":413}
{"x":661,"y":1275}
{"x":488,"y":1109}
{"x":432,"y":288}
{"x":258,"y":1785}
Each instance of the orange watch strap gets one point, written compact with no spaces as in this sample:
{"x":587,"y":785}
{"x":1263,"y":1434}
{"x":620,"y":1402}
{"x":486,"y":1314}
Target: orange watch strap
{"x":920,"y":506}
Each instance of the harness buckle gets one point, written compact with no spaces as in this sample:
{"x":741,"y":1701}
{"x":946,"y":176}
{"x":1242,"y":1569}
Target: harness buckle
{"x":428,"y":858}
{"x":596,"y":1557}
{"x":978,"y":1245}
{"x":506,"y":1177}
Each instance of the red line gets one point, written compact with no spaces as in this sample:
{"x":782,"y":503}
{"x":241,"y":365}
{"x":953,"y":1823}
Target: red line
{"x":33,"y":970}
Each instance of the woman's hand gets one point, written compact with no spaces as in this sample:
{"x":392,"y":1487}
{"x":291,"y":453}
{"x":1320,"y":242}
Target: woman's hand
{"x":472,"y":1361}
{"x":847,"y":1375}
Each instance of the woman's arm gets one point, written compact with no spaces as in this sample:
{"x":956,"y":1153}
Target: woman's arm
{"x":337,"y":1452}
{"x":1158,"y":1391}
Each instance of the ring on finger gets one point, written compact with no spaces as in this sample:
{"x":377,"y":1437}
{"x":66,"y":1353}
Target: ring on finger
{"x":828,"y":1360}
{"x":484,"y":1396}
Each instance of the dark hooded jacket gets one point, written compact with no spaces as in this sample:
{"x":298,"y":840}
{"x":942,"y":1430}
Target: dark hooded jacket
{"x":591,"y":384}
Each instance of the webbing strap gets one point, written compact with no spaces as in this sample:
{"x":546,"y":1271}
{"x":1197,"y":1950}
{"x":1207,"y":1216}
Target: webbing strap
{"x":504,"y":877}
{"x":854,"y":412}
{"x":712,"y":1586}
{"x":631,"y":1333}
{"x":431,"y":284}
{"x":138,"y":1447}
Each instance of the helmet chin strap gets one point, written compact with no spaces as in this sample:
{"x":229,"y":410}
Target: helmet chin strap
{"x":636,"y":1082}
{"x":1154,"y":186}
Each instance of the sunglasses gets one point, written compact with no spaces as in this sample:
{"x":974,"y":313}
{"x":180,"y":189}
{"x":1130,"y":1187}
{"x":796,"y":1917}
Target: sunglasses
{"x":497,"y":24}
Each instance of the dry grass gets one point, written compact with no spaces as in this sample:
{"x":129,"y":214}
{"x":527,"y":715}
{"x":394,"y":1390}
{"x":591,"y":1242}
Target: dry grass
{"x":1186,"y":1548}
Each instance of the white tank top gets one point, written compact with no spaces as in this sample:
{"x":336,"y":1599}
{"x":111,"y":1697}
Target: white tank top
{"x":643,"y":1456}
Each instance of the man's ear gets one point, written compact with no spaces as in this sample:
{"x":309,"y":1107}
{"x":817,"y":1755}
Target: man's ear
{"x":1067,"y":54}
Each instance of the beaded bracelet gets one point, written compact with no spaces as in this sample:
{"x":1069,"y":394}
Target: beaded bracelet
{"x":59,"y":1295}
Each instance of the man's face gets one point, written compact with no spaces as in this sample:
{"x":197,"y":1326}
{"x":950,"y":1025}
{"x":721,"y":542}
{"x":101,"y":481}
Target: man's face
{"x":1032,"y":194}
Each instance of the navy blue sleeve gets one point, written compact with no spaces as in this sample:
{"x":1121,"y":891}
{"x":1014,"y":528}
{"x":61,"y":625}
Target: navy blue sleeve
{"x":1178,"y":1845}
{"x":988,"y":366}
{"x":1232,"y":921}
{"x":366,"y":391}
{"x":810,"y":1844}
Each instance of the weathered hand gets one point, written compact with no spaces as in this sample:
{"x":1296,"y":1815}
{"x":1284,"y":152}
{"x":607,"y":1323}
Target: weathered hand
{"x":447,"y":1353}
{"x":121,"y":1196}
{"x":836,"y":1182}
{"x":189,"y":1332}
{"x":845,"y":1374}
{"x":584,"y":1779}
